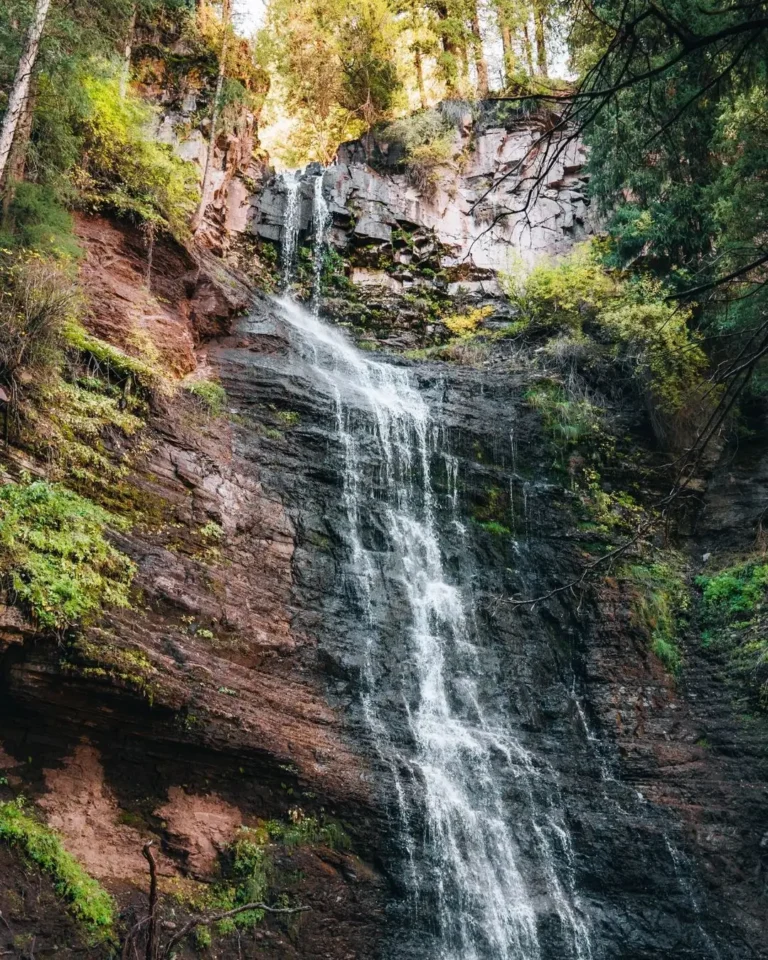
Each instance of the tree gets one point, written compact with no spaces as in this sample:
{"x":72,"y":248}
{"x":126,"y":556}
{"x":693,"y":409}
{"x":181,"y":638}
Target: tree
{"x":17,"y":101}
{"x":477,"y":49}
{"x":197,"y":219}
{"x":539,"y":20}
{"x":334,"y":65}
{"x":671,"y":102}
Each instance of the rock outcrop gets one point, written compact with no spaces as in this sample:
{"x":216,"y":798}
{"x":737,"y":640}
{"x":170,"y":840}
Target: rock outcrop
{"x":510,"y":194}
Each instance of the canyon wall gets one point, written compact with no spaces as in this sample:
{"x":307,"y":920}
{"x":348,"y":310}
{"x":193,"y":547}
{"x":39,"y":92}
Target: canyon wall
{"x":230,"y":694}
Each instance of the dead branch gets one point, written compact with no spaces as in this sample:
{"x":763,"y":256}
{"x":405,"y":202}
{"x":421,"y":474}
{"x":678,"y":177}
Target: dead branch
{"x":152,"y":930}
{"x":208,"y":920}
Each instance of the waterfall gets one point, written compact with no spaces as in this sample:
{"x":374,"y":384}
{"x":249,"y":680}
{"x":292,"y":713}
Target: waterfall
{"x":321,"y":221}
{"x":291,"y":221}
{"x":446,"y":754}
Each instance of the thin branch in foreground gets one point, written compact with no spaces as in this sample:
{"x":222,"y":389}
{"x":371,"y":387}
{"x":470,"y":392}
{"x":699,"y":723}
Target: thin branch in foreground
{"x":208,"y":920}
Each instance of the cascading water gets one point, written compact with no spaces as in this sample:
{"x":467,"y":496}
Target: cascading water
{"x":321,"y":222}
{"x":449,"y":773}
{"x":469,"y":882}
{"x":291,"y":222}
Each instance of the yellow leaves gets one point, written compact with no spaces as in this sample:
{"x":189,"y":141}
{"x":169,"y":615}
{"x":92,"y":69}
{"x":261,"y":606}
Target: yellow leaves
{"x":465,"y":324}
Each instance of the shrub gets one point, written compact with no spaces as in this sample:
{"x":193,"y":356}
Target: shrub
{"x":56,"y":557}
{"x":465,"y":324}
{"x":560,"y":294}
{"x":737,"y":590}
{"x":36,"y":301}
{"x":627,"y":318}
{"x":88,"y":902}
{"x":733,"y":605}
{"x":38,"y":222}
{"x":427,"y":139}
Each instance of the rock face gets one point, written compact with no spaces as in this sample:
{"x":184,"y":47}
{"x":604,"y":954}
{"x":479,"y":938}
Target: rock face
{"x":237,"y":690}
{"x":662,"y":853}
{"x":176,"y":75}
{"x":484,"y":211}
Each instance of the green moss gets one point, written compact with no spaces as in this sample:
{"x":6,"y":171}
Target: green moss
{"x":88,"y":902}
{"x":495,"y":528}
{"x":211,"y":395}
{"x":74,"y":426}
{"x":57,"y":559}
{"x":111,"y":363}
{"x":102,"y":656}
{"x":660,"y":602}
{"x":289,"y":417}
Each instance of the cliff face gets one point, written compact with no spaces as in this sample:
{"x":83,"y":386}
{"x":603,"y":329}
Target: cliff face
{"x":231,"y":694}
{"x":480,"y":208}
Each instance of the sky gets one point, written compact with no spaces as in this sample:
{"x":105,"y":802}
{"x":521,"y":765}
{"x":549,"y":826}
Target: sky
{"x":248,"y":15}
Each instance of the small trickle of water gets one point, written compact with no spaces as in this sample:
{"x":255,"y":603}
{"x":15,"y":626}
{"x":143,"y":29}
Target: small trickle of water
{"x":321,"y":222}
{"x":291,"y":222}
{"x":683,"y":873}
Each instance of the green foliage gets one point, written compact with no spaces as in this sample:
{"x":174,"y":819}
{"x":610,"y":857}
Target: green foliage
{"x":302,"y":830}
{"x":626,"y":317}
{"x":427,"y":140}
{"x":334,"y":64}
{"x":661,"y":600}
{"x":37,"y":221}
{"x":73,"y":426}
{"x":88,"y":902}
{"x":249,"y":868}
{"x":211,"y":395}
{"x":737,"y":590}
{"x":56,"y":559}
{"x":569,"y":422}
{"x":560,"y":293}
{"x":733,"y":613}
{"x":125,"y":167}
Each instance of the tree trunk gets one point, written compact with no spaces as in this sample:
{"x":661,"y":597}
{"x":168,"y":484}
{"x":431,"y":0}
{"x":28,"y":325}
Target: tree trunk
{"x":480,"y":64}
{"x":197,"y":219}
{"x":20,"y":90}
{"x":450,"y":59}
{"x":17,"y":160}
{"x":541,"y":46}
{"x":419,"y":64}
{"x":125,"y":76}
{"x":509,"y":54}
{"x":528,"y":47}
